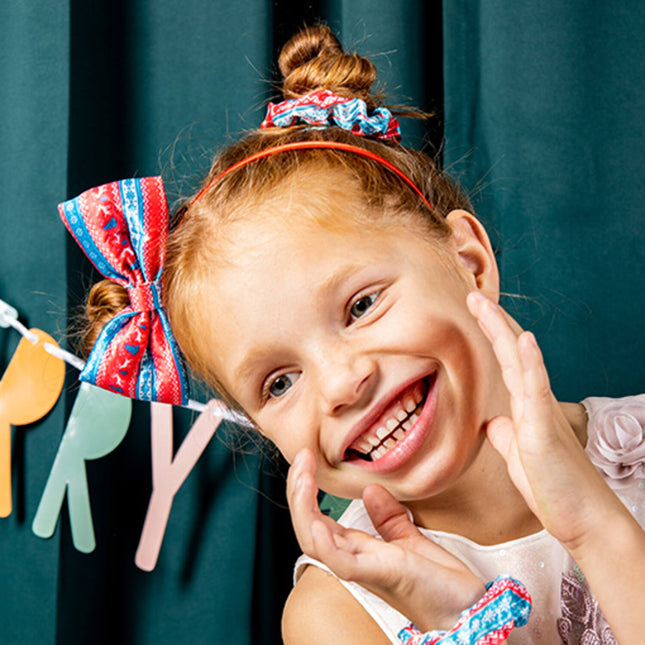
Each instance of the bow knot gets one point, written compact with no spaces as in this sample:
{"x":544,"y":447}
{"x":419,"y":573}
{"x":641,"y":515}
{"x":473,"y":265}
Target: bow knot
{"x":145,"y":297}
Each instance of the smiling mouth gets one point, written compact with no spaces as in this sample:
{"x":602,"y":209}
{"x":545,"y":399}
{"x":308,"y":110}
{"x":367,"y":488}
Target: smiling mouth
{"x":392,"y":426}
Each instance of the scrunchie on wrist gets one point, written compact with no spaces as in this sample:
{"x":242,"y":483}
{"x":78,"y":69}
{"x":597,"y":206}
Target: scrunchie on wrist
{"x":505,"y":605}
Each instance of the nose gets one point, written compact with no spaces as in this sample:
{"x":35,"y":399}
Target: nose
{"x":346,"y":379}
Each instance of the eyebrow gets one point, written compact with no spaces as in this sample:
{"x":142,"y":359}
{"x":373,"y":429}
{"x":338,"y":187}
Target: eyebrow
{"x":249,"y":364}
{"x":336,"y":278}
{"x":255,"y":357}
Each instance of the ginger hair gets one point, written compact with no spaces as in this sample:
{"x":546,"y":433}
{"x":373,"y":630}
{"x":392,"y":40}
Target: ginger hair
{"x":313,"y":59}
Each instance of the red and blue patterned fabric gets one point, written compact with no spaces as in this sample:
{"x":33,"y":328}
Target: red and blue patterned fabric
{"x":505,"y":605}
{"x":324,"y":108}
{"x":122,"y":228}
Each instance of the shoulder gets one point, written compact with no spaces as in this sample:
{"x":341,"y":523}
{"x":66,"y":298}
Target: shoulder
{"x":320,"y":611}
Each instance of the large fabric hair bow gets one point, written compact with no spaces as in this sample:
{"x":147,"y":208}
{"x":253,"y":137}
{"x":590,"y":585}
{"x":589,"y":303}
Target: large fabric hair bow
{"x":122,"y":228}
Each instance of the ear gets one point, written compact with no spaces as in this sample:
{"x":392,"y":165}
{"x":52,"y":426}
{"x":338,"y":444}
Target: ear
{"x":474,"y":252}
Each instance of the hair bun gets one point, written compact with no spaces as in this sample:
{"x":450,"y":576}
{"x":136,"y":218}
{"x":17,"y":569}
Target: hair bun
{"x":314,"y":59}
{"x":105,"y":300}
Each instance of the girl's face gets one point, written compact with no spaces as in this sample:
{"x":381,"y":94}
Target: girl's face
{"x":357,"y":344}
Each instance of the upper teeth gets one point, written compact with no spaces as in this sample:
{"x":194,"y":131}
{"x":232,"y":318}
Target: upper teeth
{"x":399,"y":418}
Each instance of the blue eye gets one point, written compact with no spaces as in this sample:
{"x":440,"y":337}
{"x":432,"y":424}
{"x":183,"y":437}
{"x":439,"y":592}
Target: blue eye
{"x":281,"y":384}
{"x":361,"y":305}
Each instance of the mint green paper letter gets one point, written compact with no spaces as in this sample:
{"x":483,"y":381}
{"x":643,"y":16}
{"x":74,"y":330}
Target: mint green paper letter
{"x":98,"y":423}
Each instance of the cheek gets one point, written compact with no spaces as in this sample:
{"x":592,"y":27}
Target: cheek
{"x":286,"y":439}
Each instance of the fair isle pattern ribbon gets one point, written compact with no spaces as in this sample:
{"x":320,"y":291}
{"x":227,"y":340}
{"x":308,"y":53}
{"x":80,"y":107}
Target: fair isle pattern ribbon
{"x":324,"y":108}
{"x":505,"y":605}
{"x":122,"y":228}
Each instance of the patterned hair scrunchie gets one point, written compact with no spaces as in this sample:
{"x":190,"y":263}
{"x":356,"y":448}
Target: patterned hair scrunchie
{"x":505,"y":605}
{"x":325,"y":108}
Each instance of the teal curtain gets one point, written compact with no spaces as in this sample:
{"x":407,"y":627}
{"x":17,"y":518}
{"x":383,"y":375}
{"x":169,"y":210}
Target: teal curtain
{"x":542,"y":126}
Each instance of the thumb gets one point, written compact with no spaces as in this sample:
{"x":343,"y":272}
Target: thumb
{"x":501,"y":433}
{"x":390,"y":518}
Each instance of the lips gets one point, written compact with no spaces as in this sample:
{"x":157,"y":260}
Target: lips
{"x":387,"y":457}
{"x":390,"y":428}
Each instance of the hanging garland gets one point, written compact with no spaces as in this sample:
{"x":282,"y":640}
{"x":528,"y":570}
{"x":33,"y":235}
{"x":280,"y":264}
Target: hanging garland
{"x":30,"y":387}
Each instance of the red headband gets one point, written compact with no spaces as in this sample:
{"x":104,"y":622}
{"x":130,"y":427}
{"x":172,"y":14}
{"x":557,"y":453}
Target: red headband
{"x":307,"y":145}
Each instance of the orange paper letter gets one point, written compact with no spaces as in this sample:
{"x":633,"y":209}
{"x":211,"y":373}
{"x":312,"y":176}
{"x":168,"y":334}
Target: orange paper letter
{"x":29,"y":389}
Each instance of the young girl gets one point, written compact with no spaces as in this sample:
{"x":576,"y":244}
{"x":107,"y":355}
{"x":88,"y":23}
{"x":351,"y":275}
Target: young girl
{"x":335,"y":287}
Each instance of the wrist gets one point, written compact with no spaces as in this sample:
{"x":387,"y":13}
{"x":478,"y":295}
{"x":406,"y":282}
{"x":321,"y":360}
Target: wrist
{"x":451,"y":611}
{"x":613,"y":564}
{"x":505,"y":605}
{"x":611,"y":524}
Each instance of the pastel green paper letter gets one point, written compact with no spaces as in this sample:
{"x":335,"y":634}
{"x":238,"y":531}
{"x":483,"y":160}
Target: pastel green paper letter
{"x":98,"y":423}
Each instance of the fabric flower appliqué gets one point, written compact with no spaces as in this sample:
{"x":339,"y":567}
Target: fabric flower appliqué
{"x":617,"y":440}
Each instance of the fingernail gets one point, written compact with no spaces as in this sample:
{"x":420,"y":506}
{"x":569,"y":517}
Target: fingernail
{"x":477,"y":296}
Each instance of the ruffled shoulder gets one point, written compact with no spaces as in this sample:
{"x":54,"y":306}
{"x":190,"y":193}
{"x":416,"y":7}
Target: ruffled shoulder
{"x":616,"y":438}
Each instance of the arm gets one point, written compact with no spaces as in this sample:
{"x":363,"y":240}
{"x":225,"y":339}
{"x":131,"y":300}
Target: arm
{"x":320,"y":611}
{"x":550,"y":468}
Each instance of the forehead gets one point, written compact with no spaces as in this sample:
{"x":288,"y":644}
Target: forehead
{"x":283,"y":274}
{"x":330,"y":197}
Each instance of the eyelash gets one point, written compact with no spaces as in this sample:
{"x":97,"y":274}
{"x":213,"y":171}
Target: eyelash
{"x":266,"y":389}
{"x":374,"y":297}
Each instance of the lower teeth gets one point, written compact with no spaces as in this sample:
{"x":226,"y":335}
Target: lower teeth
{"x":391,"y":440}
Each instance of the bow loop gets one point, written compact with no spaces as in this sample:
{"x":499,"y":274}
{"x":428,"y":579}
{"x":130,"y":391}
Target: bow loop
{"x":122,"y":228}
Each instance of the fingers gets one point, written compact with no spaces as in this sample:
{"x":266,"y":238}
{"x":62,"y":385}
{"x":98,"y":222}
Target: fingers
{"x":351,"y":555}
{"x":538,"y":398}
{"x":501,"y":434}
{"x":496,"y":327}
{"x":533,"y":405}
{"x":520,"y":360}
{"x":393,"y":522}
{"x":302,"y":495}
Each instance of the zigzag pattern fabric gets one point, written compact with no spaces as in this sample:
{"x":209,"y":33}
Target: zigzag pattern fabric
{"x":122,"y":228}
{"x":505,"y":605}
{"x":324,"y":108}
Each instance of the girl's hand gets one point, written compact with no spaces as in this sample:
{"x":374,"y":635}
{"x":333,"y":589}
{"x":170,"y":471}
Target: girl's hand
{"x":544,"y":458}
{"x":549,"y":467}
{"x":424,"y":582}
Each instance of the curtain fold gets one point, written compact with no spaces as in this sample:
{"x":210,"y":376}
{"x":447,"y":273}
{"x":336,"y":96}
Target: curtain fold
{"x":544,"y":126}
{"x":34,"y":63}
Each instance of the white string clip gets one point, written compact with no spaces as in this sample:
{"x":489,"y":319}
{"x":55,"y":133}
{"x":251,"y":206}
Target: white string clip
{"x":6,"y":311}
{"x":9,"y":318}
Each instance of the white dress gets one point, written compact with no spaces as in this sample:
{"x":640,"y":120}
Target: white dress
{"x":564,"y":610}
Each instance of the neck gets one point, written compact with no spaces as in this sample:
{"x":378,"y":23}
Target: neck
{"x":483,"y":505}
